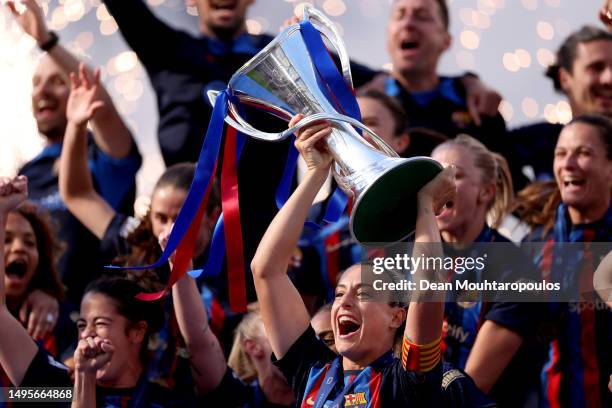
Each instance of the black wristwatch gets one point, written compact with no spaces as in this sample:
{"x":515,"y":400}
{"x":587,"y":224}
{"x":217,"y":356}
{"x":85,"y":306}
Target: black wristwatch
{"x":50,"y":43}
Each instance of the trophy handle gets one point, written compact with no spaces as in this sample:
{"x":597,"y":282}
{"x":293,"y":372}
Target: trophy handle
{"x":237,"y":122}
{"x":327,"y":28}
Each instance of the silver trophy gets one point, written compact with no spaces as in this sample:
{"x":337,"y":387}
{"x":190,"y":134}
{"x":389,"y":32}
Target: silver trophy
{"x":282,"y":80}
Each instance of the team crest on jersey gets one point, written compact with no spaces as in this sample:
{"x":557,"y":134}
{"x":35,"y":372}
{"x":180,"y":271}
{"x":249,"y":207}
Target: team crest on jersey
{"x":355,"y":400}
{"x":461,"y":119}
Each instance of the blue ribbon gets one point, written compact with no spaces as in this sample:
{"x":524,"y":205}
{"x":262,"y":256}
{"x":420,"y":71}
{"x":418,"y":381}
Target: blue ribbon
{"x":329,"y":72}
{"x":203,"y":175}
{"x":214,"y":264}
{"x":342,"y":97}
{"x":210,"y":152}
{"x":284,"y":187}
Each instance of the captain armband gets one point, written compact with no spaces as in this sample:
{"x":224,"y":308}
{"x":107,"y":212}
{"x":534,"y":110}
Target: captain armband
{"x":421,"y":357}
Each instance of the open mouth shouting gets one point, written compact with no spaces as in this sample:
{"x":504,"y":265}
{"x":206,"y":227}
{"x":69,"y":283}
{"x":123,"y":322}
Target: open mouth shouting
{"x":45,"y":108}
{"x":573,"y":183}
{"x":348,"y":327}
{"x":445,"y":211}
{"x":409,"y":47}
{"x":16,"y":269}
{"x":223,"y":5}
{"x":603,"y":95}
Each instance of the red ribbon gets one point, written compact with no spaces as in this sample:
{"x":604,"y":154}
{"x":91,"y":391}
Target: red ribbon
{"x":232,"y":227}
{"x":184,"y":252}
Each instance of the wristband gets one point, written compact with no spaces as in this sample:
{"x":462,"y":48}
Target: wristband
{"x":50,"y":43}
{"x":420,"y":357}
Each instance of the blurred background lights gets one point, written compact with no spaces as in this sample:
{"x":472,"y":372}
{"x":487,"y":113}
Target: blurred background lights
{"x":545,"y":30}
{"x":126,"y":61}
{"x":334,"y":7}
{"x":545,"y":57}
{"x":486,"y":6}
{"x":102,"y":13}
{"x":108,"y":27}
{"x":530,"y":4}
{"x":559,"y":112}
{"x":74,"y":10}
{"x":550,"y":113}
{"x":523,"y":57}
{"x":299,"y":8}
{"x":492,"y":38}
{"x":470,"y":40}
{"x":84,"y":40}
{"x":466,"y":15}
{"x":481,"y":20}
{"x":506,"y":110}
{"x":511,"y":62}
{"x":133,"y":90}
{"x":58,"y":19}
{"x":564,"y":112}
{"x":253,"y":26}
{"x":530,"y":107}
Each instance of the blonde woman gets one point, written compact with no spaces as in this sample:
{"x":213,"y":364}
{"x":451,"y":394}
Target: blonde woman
{"x":491,"y":341}
{"x":250,"y":361}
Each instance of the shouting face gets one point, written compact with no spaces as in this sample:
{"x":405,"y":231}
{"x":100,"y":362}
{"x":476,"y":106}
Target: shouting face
{"x":223,"y":19}
{"x":50,"y":91}
{"x":589,"y":84}
{"x":582,"y":169}
{"x":416,"y":36}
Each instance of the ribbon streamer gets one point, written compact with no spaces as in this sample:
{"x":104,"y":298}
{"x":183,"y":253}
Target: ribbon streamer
{"x":228,"y":231}
{"x":195,"y":202}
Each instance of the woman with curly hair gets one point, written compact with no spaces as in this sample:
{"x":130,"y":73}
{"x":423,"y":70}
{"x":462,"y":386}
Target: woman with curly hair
{"x":32,"y":283}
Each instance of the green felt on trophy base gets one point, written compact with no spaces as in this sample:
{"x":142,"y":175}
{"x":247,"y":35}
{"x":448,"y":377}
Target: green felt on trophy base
{"x":386,"y":211}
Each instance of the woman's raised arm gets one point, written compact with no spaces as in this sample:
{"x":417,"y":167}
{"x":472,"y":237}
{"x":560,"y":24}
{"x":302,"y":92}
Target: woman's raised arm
{"x":17,"y":349}
{"x":426,"y":310}
{"x":283,"y":312}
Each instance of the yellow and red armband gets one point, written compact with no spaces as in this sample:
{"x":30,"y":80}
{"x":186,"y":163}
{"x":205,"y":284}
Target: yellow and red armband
{"x":421,"y":357}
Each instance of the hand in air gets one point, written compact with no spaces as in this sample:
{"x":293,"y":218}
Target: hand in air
{"x":84,"y":98}
{"x":311,"y":144}
{"x":13,"y":191}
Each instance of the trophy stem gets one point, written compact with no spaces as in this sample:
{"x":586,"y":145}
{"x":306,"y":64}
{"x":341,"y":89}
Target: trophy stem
{"x":348,"y":150}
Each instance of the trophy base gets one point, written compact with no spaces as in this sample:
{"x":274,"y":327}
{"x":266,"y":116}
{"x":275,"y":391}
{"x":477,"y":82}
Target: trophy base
{"x":386,"y":211}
